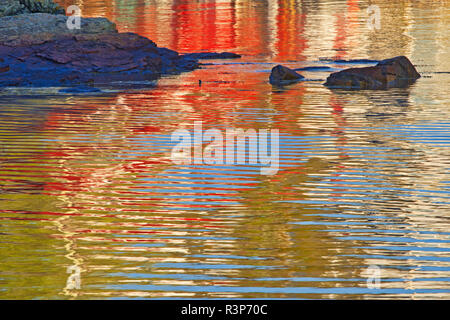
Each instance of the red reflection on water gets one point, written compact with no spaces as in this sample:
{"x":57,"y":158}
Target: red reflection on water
{"x":275,"y":28}
{"x":189,"y":26}
{"x":291,"y":27}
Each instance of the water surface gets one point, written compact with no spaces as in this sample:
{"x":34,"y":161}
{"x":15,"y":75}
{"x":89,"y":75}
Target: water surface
{"x":364,"y":183}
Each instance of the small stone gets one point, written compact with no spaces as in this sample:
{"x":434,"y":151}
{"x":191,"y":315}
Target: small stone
{"x":283,"y":75}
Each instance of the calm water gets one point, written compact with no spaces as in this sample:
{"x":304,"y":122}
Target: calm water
{"x":86,"y":182}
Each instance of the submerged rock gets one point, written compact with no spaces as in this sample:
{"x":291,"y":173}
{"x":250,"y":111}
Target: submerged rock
{"x":281,"y":75}
{"x":390,"y":73}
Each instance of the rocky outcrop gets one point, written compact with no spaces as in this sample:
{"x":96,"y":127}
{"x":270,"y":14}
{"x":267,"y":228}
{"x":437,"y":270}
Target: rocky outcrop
{"x":88,"y":59}
{"x":39,"y":50}
{"x":390,"y":73}
{"x":15,"y":7}
{"x":282,"y":75}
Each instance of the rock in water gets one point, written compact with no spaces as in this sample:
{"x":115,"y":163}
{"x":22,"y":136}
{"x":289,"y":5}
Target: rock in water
{"x":396,"y":72}
{"x":282,"y":75}
{"x":37,"y":49}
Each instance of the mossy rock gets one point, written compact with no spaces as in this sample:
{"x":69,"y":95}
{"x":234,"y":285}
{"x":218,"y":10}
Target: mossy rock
{"x":15,"y":7}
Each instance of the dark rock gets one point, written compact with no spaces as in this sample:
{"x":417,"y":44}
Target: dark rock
{"x":187,"y":64}
{"x":281,"y":75}
{"x":168,"y":53}
{"x":179,"y":62}
{"x":39,"y":50}
{"x":80,"y":89}
{"x":389,"y":73}
{"x":212,"y":55}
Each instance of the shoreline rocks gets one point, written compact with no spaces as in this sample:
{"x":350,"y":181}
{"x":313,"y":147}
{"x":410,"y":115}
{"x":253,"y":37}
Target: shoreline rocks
{"x":97,"y":59}
{"x":37,"y":49}
{"x":397,"y":72}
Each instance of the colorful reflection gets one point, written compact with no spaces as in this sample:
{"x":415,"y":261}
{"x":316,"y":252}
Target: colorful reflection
{"x":87,"y":184}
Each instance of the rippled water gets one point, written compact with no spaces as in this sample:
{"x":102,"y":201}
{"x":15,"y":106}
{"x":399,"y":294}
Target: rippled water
{"x":86,"y":182}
